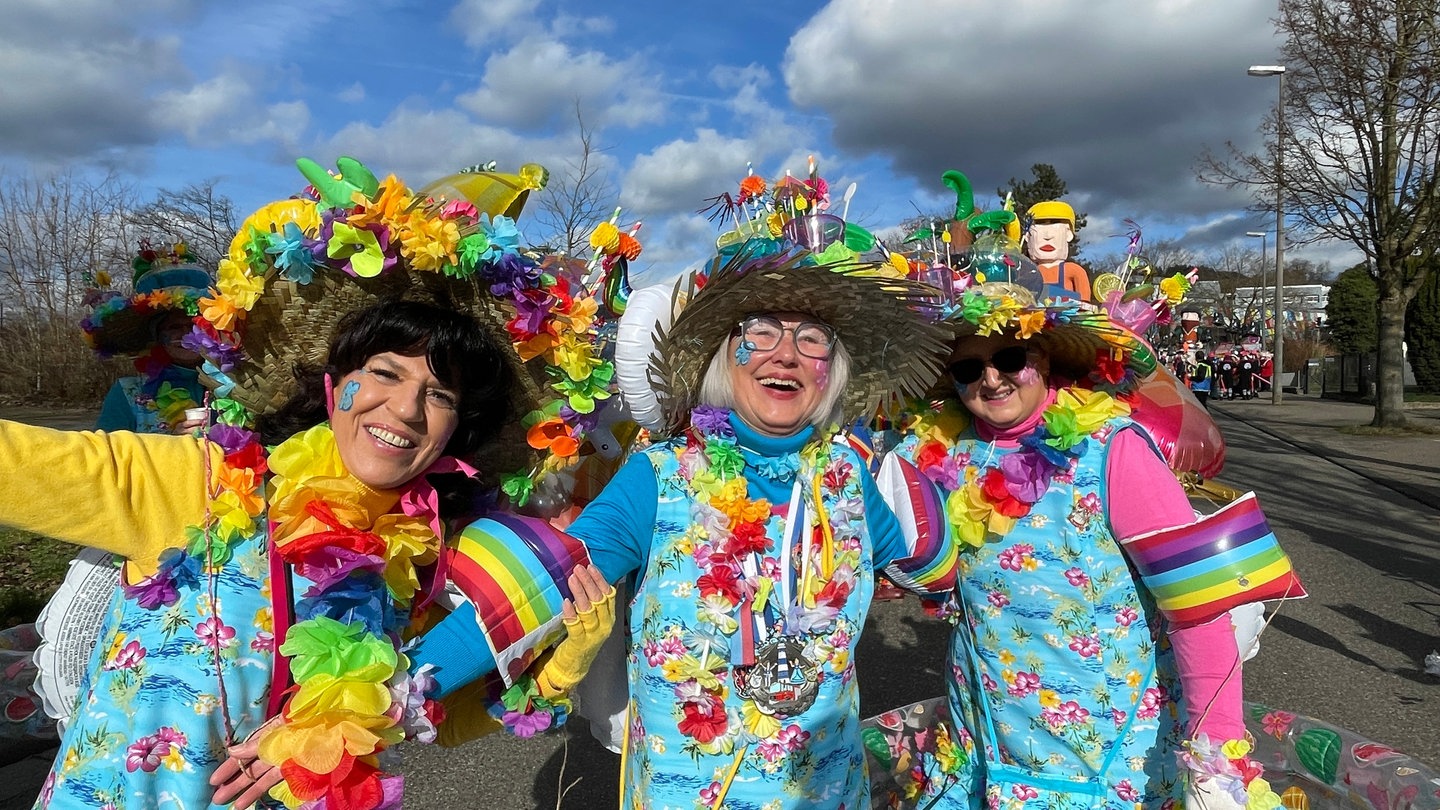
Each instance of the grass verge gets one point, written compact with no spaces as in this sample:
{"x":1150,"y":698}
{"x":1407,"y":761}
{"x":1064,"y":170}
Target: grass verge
{"x":31,"y":568}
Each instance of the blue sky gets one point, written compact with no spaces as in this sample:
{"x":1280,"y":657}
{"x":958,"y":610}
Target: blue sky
{"x":1119,"y":96}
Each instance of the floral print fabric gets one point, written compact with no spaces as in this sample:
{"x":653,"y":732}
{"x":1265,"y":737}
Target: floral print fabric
{"x":149,"y":728}
{"x":1061,"y":654}
{"x":693,"y":742}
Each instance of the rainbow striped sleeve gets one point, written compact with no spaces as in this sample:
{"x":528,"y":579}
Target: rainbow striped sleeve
{"x":513,"y":570}
{"x":930,"y":568}
{"x":1203,"y":569}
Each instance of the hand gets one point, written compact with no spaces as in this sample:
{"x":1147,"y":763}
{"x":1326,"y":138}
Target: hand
{"x":588,"y":621}
{"x":589,"y":588}
{"x":189,"y":427}
{"x":243,"y":778}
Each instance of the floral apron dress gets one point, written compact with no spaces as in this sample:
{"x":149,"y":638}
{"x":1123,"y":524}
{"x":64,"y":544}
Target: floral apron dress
{"x":1056,"y":679}
{"x":693,"y":739}
{"x":148,"y":728}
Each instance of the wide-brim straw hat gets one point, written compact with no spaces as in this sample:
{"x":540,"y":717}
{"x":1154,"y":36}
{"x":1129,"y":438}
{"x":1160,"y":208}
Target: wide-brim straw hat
{"x":1076,"y":337}
{"x":125,"y":325}
{"x":894,"y":349}
{"x":292,"y":325}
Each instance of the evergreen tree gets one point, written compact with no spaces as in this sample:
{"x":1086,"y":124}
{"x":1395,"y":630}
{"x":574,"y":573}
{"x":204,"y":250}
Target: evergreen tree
{"x":1422,"y":335}
{"x":1352,"y":312}
{"x":1047,"y":185}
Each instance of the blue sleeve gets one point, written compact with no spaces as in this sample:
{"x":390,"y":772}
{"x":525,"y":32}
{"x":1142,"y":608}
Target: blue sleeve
{"x":618,"y":525}
{"x":886,"y":539}
{"x":116,"y":414}
{"x":456,"y":650}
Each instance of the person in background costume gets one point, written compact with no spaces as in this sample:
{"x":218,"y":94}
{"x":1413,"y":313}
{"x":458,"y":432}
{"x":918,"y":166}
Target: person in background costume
{"x":1068,"y":686}
{"x":152,"y":323}
{"x":1047,"y":243}
{"x":1202,"y":375}
{"x":753,"y":531}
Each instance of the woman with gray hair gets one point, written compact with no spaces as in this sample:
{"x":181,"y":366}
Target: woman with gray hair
{"x":753,"y":531}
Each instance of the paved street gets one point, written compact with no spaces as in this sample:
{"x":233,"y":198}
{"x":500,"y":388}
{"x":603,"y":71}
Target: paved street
{"x":1359,"y":515}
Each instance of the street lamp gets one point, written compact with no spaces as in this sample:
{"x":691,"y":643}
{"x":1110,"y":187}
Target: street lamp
{"x":1264,"y":273}
{"x":1277,"y":369}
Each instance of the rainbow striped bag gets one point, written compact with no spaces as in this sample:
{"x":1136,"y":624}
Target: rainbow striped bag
{"x":1200,"y":570}
{"x":513,"y":569}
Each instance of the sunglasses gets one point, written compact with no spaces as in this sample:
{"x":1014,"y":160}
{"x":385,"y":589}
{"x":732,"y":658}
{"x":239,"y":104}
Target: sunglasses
{"x":1006,"y":361}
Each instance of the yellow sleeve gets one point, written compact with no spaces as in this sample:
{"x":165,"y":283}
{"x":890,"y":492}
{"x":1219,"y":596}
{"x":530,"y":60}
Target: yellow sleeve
{"x":131,"y":494}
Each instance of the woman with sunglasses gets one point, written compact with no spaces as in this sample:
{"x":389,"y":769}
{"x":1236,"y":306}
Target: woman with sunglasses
{"x":753,"y":532}
{"x":1067,"y":687}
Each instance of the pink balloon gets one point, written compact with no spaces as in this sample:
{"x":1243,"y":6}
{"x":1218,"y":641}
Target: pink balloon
{"x":1181,"y":426}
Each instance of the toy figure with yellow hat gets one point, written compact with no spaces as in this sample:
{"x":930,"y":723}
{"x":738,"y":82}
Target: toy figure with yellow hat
{"x":1047,"y":242}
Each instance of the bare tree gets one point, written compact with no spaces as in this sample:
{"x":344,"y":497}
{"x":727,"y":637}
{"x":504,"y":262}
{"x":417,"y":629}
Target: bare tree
{"x":195,"y":214}
{"x":576,"y":198}
{"x":56,"y":234}
{"x":1358,"y":150}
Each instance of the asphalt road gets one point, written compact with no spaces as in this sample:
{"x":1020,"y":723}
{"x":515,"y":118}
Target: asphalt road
{"x":1351,"y":654}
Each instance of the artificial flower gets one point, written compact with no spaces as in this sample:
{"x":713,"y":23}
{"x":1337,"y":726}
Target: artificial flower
{"x":605,"y":238}
{"x":430,"y":244}
{"x":358,"y":248}
{"x":293,"y":254}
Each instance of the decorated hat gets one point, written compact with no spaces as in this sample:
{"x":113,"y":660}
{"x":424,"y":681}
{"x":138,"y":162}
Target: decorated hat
{"x":893,"y":349}
{"x":298,"y":265}
{"x":164,"y":280}
{"x":1001,"y":292}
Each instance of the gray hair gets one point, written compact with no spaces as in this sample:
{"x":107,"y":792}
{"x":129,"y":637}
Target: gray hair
{"x":716,"y":390}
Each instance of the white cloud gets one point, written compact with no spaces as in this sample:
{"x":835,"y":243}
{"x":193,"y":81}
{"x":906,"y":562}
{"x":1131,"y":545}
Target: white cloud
{"x":67,"y":94}
{"x":481,"y":22}
{"x":1121,"y":110}
{"x":354,"y":94}
{"x":538,"y":83}
{"x":679,"y":175}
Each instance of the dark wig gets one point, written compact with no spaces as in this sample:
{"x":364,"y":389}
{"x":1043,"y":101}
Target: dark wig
{"x":461,"y":354}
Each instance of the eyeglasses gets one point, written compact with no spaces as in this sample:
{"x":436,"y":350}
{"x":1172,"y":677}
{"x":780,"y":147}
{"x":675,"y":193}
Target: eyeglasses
{"x":762,"y":333}
{"x":1006,"y":361}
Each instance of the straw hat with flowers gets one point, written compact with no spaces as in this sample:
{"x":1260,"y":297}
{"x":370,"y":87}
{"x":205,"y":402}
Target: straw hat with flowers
{"x":164,"y":280}
{"x":892,"y":349}
{"x":298,"y":265}
{"x":1001,"y":292}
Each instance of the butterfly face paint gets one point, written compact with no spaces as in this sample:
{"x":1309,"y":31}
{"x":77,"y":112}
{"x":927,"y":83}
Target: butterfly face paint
{"x":1027,"y":376}
{"x":743,"y":350}
{"x":822,"y":373}
{"x":347,"y":395}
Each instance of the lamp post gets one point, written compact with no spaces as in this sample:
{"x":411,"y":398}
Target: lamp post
{"x":1277,"y":371}
{"x":1264,"y":273}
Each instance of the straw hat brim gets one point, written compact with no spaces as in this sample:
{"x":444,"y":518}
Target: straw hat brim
{"x":1075,"y":345}
{"x":893,"y":348}
{"x":131,"y":329}
{"x":292,"y":325}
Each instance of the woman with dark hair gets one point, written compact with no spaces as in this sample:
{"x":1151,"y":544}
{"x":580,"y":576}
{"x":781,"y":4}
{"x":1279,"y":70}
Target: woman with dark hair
{"x":276,"y":566}
{"x":463,"y":357}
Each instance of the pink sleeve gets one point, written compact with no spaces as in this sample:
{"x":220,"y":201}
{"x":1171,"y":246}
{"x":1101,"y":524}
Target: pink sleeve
{"x":1144,"y":496}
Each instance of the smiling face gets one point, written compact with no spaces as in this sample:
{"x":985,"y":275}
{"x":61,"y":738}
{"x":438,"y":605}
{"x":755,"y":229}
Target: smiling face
{"x":1003,"y":400}
{"x":1049,"y":241}
{"x":392,"y":419}
{"x":777,"y":391}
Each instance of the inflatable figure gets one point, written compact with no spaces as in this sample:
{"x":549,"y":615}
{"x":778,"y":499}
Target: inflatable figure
{"x":1047,"y":242}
